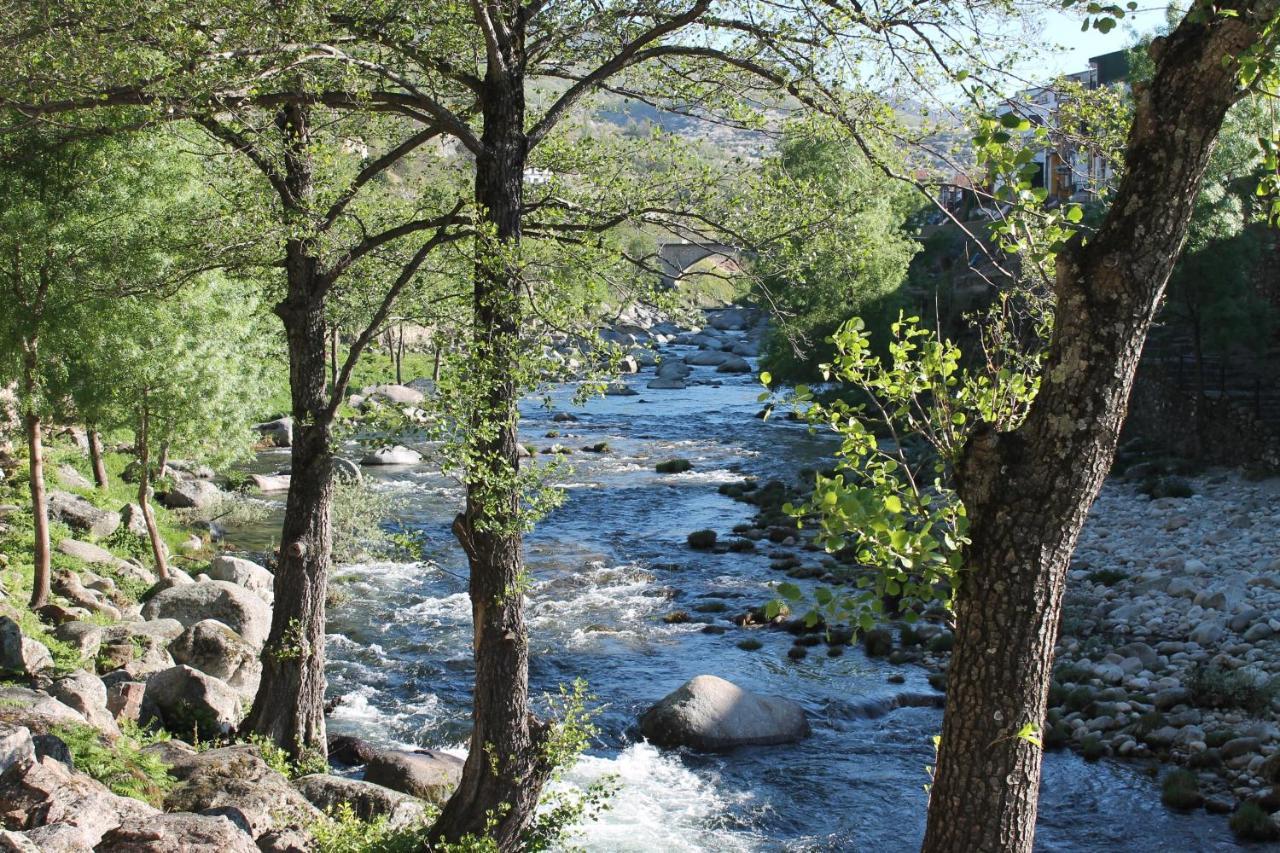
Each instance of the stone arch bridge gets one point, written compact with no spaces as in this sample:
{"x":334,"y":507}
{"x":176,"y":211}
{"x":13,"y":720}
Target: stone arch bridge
{"x":675,"y":258}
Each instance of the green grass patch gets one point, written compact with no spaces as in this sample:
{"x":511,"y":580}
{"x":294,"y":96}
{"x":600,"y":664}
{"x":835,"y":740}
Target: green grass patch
{"x":122,"y":765}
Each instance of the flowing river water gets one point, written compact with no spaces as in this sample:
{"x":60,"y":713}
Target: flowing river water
{"x":608,"y":565}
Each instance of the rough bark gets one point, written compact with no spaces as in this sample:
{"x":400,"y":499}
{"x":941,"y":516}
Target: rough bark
{"x":289,"y":705}
{"x":506,"y":765}
{"x":144,"y":492}
{"x":41,"y":554}
{"x":95,"y":457}
{"x":1027,"y":492}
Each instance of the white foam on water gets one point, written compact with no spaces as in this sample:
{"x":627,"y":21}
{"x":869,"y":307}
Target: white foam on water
{"x":451,"y":608}
{"x":660,"y":806}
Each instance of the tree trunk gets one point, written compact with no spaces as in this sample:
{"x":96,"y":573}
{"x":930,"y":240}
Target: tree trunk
{"x":1027,"y":491}
{"x":143,"y":452}
{"x":507,"y":763}
{"x":400,"y":356}
{"x":333,"y":357}
{"x":289,"y":706}
{"x":41,"y":553}
{"x":435,"y":365}
{"x":162,"y":464}
{"x":95,"y":457}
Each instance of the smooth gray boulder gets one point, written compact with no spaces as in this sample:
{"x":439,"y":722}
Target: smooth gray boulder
{"x":279,"y":432}
{"x":397,"y":455}
{"x":398,"y":394}
{"x":188,"y":701}
{"x":78,"y":514}
{"x":97,"y":555}
{"x":245,"y":573}
{"x":708,"y":358}
{"x":661,"y":384}
{"x":20,"y":655}
{"x":426,"y":774}
{"x":216,"y":650}
{"x":73,"y":479}
{"x":346,"y":470}
{"x":67,"y":584}
{"x":620,"y":389}
{"x":236,"y":781}
{"x":190,"y":494}
{"x":366,"y":799}
{"x":271,"y":482}
{"x":38,"y":712}
{"x":229,"y":603}
{"x":671,"y":369}
{"x":734,"y":364}
{"x":710,"y":713}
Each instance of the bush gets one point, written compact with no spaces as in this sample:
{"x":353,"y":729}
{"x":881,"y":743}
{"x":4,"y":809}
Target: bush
{"x":878,"y":642}
{"x":1214,"y":687}
{"x":122,"y":765}
{"x":341,"y":831}
{"x":1252,"y":823}
{"x":1181,"y":790}
{"x":702,"y":539}
{"x":1092,"y":748}
{"x":674,"y":466}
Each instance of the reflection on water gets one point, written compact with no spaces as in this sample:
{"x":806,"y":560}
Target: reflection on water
{"x":607,"y":566}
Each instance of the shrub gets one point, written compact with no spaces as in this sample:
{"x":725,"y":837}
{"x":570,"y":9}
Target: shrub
{"x":1092,"y":748}
{"x":1181,"y":790}
{"x":702,"y":539}
{"x":674,"y":466}
{"x":1214,"y":687}
{"x":1252,"y":823}
{"x":341,"y":831}
{"x":878,"y":642}
{"x":122,"y":765}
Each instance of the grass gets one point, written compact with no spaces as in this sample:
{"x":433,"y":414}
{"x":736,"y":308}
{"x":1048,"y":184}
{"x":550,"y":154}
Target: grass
{"x":1214,"y":687}
{"x":1252,"y":823}
{"x":122,"y":765}
{"x":1181,"y":790}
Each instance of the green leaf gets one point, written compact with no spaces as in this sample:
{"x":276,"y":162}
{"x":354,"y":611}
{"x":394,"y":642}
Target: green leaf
{"x":893,"y":504}
{"x":789,"y":591}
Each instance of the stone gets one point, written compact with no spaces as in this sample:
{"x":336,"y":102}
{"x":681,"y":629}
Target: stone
{"x":178,"y":833}
{"x":38,"y":712}
{"x":620,"y":389}
{"x":17,"y":750}
{"x":709,"y":358}
{"x":1206,"y":633}
{"x":1182,"y":588}
{"x":95,"y":555}
{"x":247,"y":574}
{"x":671,"y":369}
{"x":399,"y":395}
{"x":67,"y":584}
{"x":189,"y":700}
{"x":231,"y":604}
{"x":734,"y":364}
{"x":271,"y":482}
{"x":710,"y":713}
{"x":78,"y":514}
{"x":1237,"y":747}
{"x":397,"y":455}
{"x":278,"y":432}
{"x":1243,"y":619}
{"x":73,"y":479}
{"x":661,"y":384}
{"x":1258,"y":631}
{"x":84,"y":692}
{"x":350,"y":751}
{"x":133,"y":519}
{"x":190,"y":494}
{"x":124,"y":700}
{"x":346,"y":470}
{"x":61,"y":810}
{"x":426,"y":774}
{"x":366,"y":799}
{"x":20,"y":655}
{"x":216,"y":650}
{"x":237,"y":780}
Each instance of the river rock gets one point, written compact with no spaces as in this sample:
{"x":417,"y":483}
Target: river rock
{"x":620,"y":389}
{"x":734,"y":364}
{"x":178,"y":833}
{"x":710,"y":713}
{"x":672,"y":369}
{"x":95,"y":555}
{"x":400,"y":395}
{"x":426,"y":774}
{"x":190,"y":494}
{"x":231,"y":604}
{"x":271,"y":482}
{"x":366,"y":799}
{"x":85,"y":693}
{"x":661,"y":384}
{"x":708,"y":358}
{"x":216,"y":650}
{"x":247,"y":574}
{"x":189,"y":700}
{"x":20,"y":655}
{"x":397,"y":455}
{"x":78,"y":514}
{"x":350,"y":750}
{"x":236,"y":781}
{"x":729,"y":320}
{"x":279,"y":432}
{"x":73,"y":479}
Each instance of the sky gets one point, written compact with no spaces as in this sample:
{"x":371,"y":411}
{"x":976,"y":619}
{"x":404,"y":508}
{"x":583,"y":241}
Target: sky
{"x":1064,"y":29}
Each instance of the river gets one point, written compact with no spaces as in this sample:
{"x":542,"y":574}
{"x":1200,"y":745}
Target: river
{"x":608,"y":565}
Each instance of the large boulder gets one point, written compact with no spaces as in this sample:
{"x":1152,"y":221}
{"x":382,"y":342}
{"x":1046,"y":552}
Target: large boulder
{"x":216,"y":650}
{"x":20,"y":655}
{"x":58,"y":810}
{"x":400,"y":395}
{"x":84,"y":637}
{"x":71,"y":478}
{"x":708,"y":358}
{"x":35,"y":711}
{"x":734,"y":364}
{"x":178,"y":833}
{"x":67,"y":584}
{"x":729,"y":320}
{"x":78,"y":514}
{"x":710,"y":713}
{"x":84,"y":692}
{"x":246,"y":573}
{"x":190,"y":494}
{"x":97,"y":555}
{"x":397,"y":455}
{"x":279,"y":432}
{"x":231,"y":604}
{"x":133,"y":519}
{"x":366,"y":799}
{"x":671,"y":369}
{"x":237,"y":782}
{"x":426,"y":774}
{"x":188,"y":700}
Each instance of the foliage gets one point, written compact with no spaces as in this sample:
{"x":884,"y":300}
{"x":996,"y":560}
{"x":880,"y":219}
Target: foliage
{"x":356,"y":516}
{"x":1251,"y":822}
{"x":1212,"y":686}
{"x":341,"y":831}
{"x":1181,"y":789}
{"x":121,"y":765}
{"x":279,"y":760}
